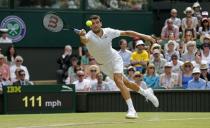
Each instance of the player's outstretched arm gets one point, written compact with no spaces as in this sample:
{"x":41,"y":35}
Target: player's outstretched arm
{"x":83,"y":38}
{"x":136,"y":34}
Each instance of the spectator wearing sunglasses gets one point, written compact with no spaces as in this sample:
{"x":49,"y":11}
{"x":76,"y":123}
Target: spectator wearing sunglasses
{"x":81,"y":84}
{"x":93,"y":70}
{"x":186,"y":75}
{"x":22,"y":81}
{"x":18,"y":64}
{"x":130,"y":74}
{"x":138,"y":78}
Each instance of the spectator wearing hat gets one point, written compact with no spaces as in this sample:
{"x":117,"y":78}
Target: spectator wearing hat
{"x":130,"y":74}
{"x":204,"y":72}
{"x":186,"y":74}
{"x":150,"y":77}
{"x":205,"y":39}
{"x":153,"y":47}
{"x":170,"y":39}
{"x":4,"y":68}
{"x":204,"y":28}
{"x":100,"y":85}
{"x":158,"y":62}
{"x":4,"y":36}
{"x":170,"y":50}
{"x":197,"y":11}
{"x":196,"y":82}
{"x":168,"y":79}
{"x":189,"y":15}
{"x":176,"y":64}
{"x":125,"y":53}
{"x":198,"y":60}
{"x":169,"y":28}
{"x":189,"y":55}
{"x":138,"y":78}
{"x":140,"y":57}
{"x":174,"y":18}
{"x":205,"y":14}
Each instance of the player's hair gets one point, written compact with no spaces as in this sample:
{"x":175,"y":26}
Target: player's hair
{"x":94,"y":17}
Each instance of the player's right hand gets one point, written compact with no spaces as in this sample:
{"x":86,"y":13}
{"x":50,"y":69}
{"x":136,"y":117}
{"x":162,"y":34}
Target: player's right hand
{"x":82,"y":32}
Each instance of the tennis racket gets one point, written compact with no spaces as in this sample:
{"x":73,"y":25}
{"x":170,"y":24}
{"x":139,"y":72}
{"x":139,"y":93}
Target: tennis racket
{"x":54,"y":23}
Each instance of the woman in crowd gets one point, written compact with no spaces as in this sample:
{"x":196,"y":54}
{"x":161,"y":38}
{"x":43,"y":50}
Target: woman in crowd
{"x":186,"y":75}
{"x":151,"y":78}
{"x":11,"y":54}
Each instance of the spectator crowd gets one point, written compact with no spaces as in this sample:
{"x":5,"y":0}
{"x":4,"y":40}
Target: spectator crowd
{"x":12,"y":70}
{"x":180,"y":58}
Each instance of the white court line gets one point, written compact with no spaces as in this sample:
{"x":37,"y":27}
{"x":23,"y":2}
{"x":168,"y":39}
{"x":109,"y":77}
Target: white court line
{"x":99,"y":123}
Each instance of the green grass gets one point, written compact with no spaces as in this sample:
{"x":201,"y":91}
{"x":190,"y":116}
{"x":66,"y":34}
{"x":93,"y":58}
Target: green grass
{"x":106,"y":120}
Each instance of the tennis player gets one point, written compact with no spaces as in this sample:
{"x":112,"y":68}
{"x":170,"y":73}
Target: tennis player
{"x":99,"y":43}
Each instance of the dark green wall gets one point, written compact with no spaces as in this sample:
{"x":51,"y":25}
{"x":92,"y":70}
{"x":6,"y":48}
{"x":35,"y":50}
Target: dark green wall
{"x":37,"y":36}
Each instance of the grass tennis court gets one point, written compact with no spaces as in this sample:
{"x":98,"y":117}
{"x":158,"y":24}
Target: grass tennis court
{"x":106,"y":120}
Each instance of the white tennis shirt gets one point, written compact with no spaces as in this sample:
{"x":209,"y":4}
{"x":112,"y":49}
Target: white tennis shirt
{"x":101,"y":47}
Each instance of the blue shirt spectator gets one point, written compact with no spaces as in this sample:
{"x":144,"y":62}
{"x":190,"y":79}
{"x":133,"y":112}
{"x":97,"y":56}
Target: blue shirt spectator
{"x":150,"y":78}
{"x":124,"y":53}
{"x":208,"y":85}
{"x":197,"y":82}
{"x":151,"y":81}
{"x":185,"y":80}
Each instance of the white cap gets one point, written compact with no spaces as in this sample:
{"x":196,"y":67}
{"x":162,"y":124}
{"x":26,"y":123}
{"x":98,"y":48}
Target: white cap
{"x":168,"y":64}
{"x":174,"y":10}
{"x":156,"y":51}
{"x":188,"y":9}
{"x":4,"y":30}
{"x":196,"y":70}
{"x":204,"y":13}
{"x":139,"y":42}
{"x":196,"y":4}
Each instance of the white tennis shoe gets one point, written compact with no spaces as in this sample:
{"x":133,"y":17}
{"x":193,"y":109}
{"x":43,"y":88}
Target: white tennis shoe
{"x":149,"y":95}
{"x":131,"y":115}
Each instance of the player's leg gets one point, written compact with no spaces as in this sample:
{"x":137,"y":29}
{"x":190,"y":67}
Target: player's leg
{"x":114,"y":70}
{"x":148,"y":93}
{"x":118,"y":78}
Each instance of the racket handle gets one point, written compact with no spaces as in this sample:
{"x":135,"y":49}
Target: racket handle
{"x":77,"y":31}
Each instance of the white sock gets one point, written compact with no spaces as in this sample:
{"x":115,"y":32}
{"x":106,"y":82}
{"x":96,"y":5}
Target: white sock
{"x":141,"y":91}
{"x":130,"y":105}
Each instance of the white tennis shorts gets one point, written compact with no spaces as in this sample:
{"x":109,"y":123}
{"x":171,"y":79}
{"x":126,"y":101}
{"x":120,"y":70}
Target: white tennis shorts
{"x":113,"y":66}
